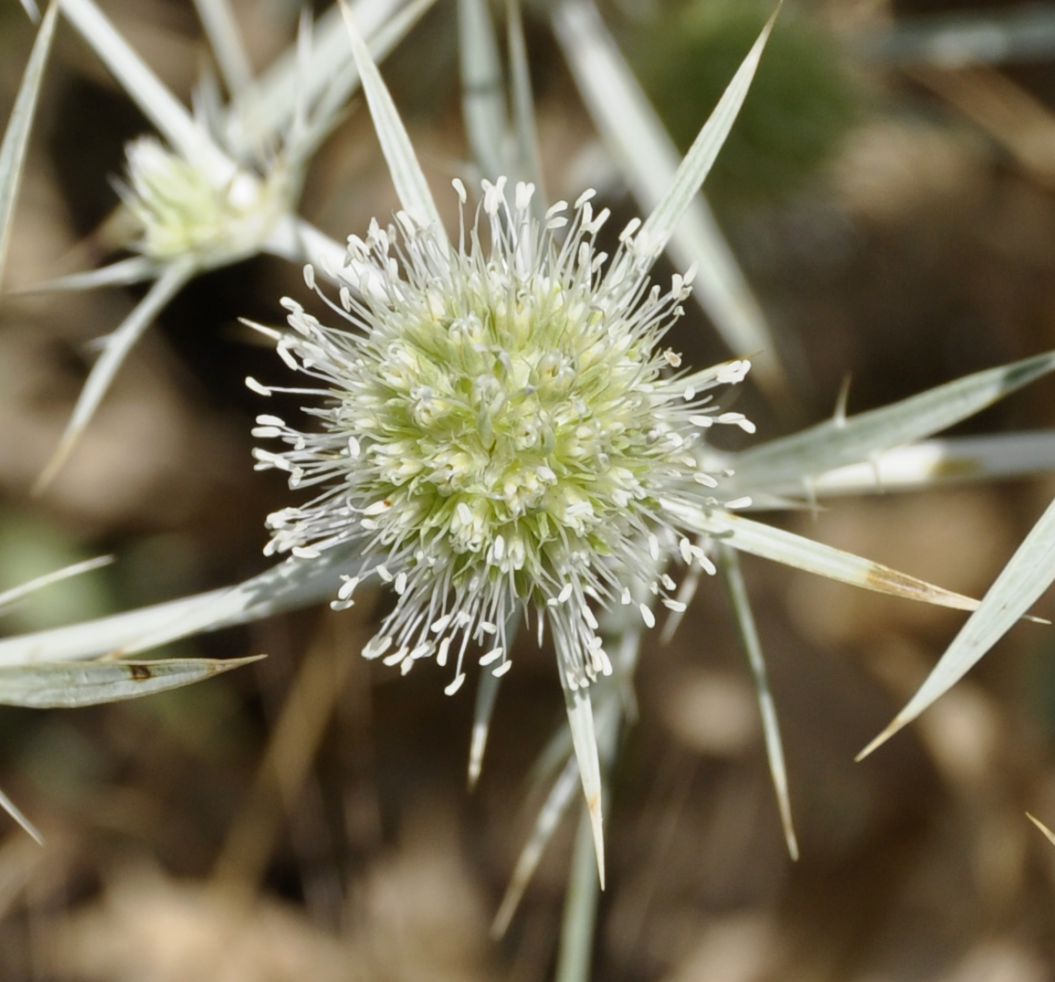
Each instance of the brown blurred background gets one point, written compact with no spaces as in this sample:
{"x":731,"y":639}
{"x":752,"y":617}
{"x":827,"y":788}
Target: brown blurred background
{"x":307,"y":818}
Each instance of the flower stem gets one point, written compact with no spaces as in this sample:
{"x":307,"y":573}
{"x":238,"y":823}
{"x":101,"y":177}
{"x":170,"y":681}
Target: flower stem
{"x":580,"y":909}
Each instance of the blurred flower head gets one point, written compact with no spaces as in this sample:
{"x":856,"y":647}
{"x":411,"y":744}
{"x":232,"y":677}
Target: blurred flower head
{"x":501,"y":432}
{"x":183,"y":211}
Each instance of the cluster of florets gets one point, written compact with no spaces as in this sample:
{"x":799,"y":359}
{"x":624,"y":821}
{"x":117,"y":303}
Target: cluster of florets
{"x":500,"y":432}
{"x":183,"y":212}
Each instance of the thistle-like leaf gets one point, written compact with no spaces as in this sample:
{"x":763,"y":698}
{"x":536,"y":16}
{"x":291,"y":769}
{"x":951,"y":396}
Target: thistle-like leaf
{"x":1028,"y":574}
{"x":932,"y":463}
{"x":549,"y":817}
{"x":557,"y":765}
{"x":649,"y":160}
{"x":483,"y":91}
{"x":1048,"y":834}
{"x":584,"y":741}
{"x":69,"y":684}
{"x":790,"y":462}
{"x":225,"y":40}
{"x":654,"y":235}
{"x":734,"y":582}
{"x":16,"y":813}
{"x":790,"y":549}
{"x":486,"y":696}
{"x":16,"y":136}
{"x":10,"y":597}
{"x":529,"y":159}
{"x":286,"y":586}
{"x":124,"y":272}
{"x":141,"y":85}
{"x":116,"y":347}
{"x":403,"y":165}
{"x":265,"y":110}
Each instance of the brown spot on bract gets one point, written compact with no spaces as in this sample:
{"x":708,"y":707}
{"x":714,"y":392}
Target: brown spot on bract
{"x":953,"y":469}
{"x":887,"y":580}
{"x":140,"y":673}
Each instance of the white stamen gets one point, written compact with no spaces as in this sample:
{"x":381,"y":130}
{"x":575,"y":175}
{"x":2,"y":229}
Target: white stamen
{"x":459,"y":680}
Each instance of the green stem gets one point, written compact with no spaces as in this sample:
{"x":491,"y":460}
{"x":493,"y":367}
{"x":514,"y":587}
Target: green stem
{"x":580,"y":909}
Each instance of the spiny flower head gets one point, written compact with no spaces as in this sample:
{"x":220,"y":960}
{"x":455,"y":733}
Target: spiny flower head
{"x":500,"y":431}
{"x":184,"y":212}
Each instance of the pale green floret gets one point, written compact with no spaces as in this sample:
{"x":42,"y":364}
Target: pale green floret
{"x":501,"y":433}
{"x":183,"y":212}
{"x":531,"y":422}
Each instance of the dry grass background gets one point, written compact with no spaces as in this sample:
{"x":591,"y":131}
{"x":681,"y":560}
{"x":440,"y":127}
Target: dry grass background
{"x":307,"y":817}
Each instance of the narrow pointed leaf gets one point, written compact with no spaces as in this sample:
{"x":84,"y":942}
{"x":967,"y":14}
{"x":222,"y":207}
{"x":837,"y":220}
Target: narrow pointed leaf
{"x":15,"y":812}
{"x":69,"y":684}
{"x":582,"y":896}
{"x":549,"y":816}
{"x":1048,"y":834}
{"x":529,"y":159}
{"x":207,"y":99}
{"x":407,"y":176}
{"x":221,"y":29}
{"x":794,"y":550}
{"x":117,"y":346}
{"x":650,"y":161}
{"x":734,"y":582}
{"x":931,"y":463}
{"x":340,"y":87}
{"x":144,"y":88}
{"x":298,"y":126}
{"x":1029,"y":574}
{"x":265,"y":110}
{"x":124,"y":272}
{"x":483,"y":91}
{"x":792,"y":460}
{"x":557,"y":764}
{"x":486,"y":695}
{"x":288,"y":585}
{"x":694,"y":168}
{"x":12,"y":596}
{"x":550,"y":760}
{"x":16,"y":136}
{"x":584,"y":741}
{"x":299,"y":241}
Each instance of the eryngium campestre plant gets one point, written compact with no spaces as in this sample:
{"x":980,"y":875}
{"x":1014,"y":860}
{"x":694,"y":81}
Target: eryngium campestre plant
{"x":501,"y":431}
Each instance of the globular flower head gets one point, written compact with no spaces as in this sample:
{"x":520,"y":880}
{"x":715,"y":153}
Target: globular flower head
{"x":184,"y":212}
{"x":500,"y":431}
